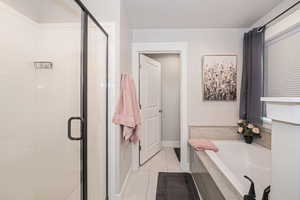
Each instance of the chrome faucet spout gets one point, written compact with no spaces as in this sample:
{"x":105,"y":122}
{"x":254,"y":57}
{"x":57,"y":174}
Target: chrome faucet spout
{"x":266,"y":193}
{"x":251,"y":194}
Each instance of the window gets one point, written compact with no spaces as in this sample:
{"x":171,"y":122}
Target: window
{"x":282,"y":67}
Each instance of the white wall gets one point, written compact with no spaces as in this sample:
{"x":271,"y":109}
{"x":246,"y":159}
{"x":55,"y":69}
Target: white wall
{"x":202,"y":42}
{"x":15,"y":94}
{"x":35,"y":107}
{"x":125,"y":66}
{"x":126,"y":40}
{"x":170,"y":64}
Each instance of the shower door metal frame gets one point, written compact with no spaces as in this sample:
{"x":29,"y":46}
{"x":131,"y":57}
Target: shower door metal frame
{"x":86,"y":14}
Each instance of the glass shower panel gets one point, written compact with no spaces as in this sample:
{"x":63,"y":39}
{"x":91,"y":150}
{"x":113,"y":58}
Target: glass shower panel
{"x":40,"y":84}
{"x":96,"y":131}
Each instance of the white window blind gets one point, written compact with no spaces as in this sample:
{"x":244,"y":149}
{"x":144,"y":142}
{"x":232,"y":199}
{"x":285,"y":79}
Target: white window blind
{"x":282,"y":68}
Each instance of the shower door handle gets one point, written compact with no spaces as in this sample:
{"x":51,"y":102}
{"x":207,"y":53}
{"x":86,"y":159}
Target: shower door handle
{"x":70,"y":128}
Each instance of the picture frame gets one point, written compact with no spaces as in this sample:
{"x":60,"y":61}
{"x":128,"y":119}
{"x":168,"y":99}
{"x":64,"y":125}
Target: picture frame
{"x":219,"y":77}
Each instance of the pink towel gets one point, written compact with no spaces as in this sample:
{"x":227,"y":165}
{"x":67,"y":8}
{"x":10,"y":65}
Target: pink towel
{"x":203,"y":144}
{"x":127,"y":112}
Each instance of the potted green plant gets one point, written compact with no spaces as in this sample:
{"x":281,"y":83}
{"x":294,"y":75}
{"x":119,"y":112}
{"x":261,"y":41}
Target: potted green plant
{"x":248,"y":131}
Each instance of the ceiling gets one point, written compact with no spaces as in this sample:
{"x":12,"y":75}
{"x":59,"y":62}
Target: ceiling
{"x":47,"y":11}
{"x":197,"y":13}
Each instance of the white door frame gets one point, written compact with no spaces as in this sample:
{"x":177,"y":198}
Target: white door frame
{"x":182,"y":49}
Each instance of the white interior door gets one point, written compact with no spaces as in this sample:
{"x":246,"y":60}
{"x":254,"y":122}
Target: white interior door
{"x":150,"y":100}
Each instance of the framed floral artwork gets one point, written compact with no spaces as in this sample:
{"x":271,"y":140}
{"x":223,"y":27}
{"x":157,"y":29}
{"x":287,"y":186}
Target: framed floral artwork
{"x":219,"y":77}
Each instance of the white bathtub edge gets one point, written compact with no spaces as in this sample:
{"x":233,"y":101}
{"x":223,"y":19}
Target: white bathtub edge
{"x":230,"y":175}
{"x":226,"y":172}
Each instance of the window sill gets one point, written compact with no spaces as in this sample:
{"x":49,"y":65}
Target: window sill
{"x":267,"y":123}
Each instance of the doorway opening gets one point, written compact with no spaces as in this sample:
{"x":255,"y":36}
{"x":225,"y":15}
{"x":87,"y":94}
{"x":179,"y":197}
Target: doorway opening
{"x":159,"y":158}
{"x":159,"y":96}
{"x":180,"y":48}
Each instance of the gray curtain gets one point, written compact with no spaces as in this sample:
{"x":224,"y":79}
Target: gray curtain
{"x":251,"y":108}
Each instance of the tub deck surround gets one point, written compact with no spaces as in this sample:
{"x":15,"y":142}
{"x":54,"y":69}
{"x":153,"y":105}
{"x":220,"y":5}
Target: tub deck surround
{"x":266,"y":138}
{"x":214,"y":132}
{"x":234,"y":160}
{"x":285,"y":115}
{"x":227,"y":133}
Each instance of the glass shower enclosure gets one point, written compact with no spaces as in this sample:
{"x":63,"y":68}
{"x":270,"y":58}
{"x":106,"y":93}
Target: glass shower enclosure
{"x":53,"y":83}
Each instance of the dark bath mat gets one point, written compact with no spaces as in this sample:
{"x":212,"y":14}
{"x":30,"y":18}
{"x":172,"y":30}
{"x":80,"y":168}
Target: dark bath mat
{"x":177,"y":152}
{"x":176,"y":186}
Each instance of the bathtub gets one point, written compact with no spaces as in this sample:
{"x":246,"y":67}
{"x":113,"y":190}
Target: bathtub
{"x":236,"y":159}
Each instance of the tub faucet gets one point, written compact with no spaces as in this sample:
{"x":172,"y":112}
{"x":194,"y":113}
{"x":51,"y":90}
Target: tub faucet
{"x":266,"y":193}
{"x":251,"y":194}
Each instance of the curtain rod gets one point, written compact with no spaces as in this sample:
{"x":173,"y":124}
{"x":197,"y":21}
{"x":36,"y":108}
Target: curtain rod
{"x":275,"y":18}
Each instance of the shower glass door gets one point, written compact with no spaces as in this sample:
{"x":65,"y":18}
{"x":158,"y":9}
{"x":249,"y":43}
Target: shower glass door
{"x":97,"y":111}
{"x":41,"y":86}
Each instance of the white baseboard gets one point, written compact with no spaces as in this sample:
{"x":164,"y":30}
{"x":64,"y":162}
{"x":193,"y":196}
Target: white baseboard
{"x":170,"y":143}
{"x":121,"y":194}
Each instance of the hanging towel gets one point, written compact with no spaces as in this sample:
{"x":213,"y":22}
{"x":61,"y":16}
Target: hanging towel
{"x":127,"y":112}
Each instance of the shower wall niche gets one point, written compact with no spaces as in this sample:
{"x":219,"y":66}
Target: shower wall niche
{"x":37,"y":160}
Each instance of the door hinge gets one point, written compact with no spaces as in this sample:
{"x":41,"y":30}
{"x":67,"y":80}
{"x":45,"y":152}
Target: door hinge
{"x":140,"y":147}
{"x":140,"y":106}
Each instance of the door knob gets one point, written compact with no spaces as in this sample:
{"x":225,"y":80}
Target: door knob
{"x":160,"y":111}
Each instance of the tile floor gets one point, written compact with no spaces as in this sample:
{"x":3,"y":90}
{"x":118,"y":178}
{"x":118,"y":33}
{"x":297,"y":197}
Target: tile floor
{"x":142,"y":183}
